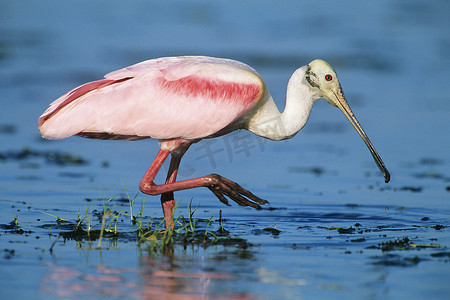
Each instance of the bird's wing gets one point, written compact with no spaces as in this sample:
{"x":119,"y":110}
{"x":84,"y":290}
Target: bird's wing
{"x":176,"y":67}
{"x":181,"y":97}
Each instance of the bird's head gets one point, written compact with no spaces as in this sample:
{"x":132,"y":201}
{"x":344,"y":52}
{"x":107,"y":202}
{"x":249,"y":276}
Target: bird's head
{"x":324,"y":83}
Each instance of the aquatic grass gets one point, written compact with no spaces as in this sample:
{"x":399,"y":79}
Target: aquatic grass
{"x":154,"y":232}
{"x":104,"y":226}
{"x":185,"y":232}
{"x":221,"y":229}
{"x":140,"y":217}
{"x":210,"y":232}
{"x":13,"y":225}
{"x":106,"y":215}
{"x":79,"y":219}
{"x":113,"y":217}
{"x":161,"y":239}
{"x":15,"y":221}
{"x":88,"y":221}
{"x":192,"y":222}
{"x":85,"y":225}
{"x":59,"y":220}
{"x":144,"y":230}
{"x":131,"y":201}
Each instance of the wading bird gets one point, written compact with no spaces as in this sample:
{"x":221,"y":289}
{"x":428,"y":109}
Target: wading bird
{"x":181,"y":100}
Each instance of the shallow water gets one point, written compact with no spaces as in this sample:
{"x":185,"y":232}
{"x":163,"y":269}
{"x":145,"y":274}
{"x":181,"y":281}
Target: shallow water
{"x":333,"y":229}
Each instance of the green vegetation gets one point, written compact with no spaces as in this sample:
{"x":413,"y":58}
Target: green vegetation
{"x":15,"y":221}
{"x":109,"y":225}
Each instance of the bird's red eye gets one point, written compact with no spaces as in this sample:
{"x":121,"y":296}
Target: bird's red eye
{"x":328,"y":77}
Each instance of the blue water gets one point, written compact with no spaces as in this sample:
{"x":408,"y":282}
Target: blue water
{"x":392,"y":58}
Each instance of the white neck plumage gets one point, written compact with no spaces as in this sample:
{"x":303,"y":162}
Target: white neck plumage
{"x":268,"y":122}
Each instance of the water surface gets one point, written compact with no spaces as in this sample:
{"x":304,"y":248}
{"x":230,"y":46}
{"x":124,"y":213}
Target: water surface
{"x":333,"y":229}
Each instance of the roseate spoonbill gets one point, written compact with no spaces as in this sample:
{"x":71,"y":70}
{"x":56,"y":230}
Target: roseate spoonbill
{"x":181,"y":100}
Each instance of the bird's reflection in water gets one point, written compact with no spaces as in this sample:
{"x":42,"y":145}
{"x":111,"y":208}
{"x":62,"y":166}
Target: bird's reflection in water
{"x":183,"y":277}
{"x":179,"y":276}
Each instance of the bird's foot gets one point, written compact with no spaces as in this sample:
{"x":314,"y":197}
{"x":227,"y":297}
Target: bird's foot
{"x":222,"y":187}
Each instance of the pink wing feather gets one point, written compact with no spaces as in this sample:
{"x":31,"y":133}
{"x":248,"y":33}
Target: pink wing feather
{"x":167,"y":98}
{"x":75,"y":94}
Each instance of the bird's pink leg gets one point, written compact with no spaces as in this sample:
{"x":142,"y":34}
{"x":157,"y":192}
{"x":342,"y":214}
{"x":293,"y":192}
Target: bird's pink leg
{"x":167,"y":199}
{"x":219,"y":185}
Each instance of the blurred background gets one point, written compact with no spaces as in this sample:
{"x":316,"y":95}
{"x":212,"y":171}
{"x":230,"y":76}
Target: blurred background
{"x":392,"y":58}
